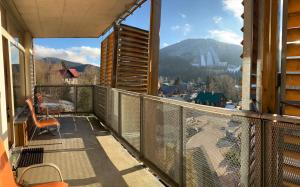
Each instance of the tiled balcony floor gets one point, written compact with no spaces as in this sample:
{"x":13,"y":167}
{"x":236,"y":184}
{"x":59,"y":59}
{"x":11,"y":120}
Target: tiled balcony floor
{"x":89,"y":156}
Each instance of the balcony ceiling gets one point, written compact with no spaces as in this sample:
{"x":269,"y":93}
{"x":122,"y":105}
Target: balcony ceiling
{"x":69,"y":18}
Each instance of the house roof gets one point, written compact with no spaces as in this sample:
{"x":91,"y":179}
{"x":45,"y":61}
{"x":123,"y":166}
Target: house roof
{"x":74,"y":72}
{"x":69,"y":73}
{"x":68,"y":18}
{"x":209,"y":97}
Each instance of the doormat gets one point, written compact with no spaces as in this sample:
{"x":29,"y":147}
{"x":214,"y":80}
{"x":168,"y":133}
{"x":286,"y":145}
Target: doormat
{"x":30,"y":157}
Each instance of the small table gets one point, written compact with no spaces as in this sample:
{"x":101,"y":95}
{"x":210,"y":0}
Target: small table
{"x":51,"y":108}
{"x":22,"y":124}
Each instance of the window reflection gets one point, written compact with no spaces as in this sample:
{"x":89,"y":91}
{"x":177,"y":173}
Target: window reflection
{"x":17,"y":62}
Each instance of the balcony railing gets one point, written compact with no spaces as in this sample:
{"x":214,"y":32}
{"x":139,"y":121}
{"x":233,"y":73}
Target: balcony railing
{"x":67,"y":98}
{"x":194,"y":145}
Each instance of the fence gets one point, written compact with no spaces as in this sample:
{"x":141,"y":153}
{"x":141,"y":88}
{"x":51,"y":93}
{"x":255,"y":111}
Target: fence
{"x":67,"y":98}
{"x":194,"y":145}
{"x":186,"y":144}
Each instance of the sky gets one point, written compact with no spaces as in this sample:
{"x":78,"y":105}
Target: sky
{"x":180,"y":20}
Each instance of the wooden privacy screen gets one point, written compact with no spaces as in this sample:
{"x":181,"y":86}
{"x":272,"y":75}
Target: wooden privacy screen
{"x":133,"y":59}
{"x":254,"y":50}
{"x":291,"y":67}
{"x":108,"y":61}
{"x":125,"y":59}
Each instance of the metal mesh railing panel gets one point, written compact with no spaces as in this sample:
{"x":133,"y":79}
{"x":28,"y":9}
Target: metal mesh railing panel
{"x":84,"y":99}
{"x":212,"y":149}
{"x":113,"y":110}
{"x":219,"y":148}
{"x":254,"y":158}
{"x":284,"y":159}
{"x":130,"y":119}
{"x":161,"y":136}
{"x":62,"y":98}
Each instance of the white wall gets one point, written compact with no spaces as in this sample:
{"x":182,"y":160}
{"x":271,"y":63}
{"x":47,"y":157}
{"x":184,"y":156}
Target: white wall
{"x":3,"y":113}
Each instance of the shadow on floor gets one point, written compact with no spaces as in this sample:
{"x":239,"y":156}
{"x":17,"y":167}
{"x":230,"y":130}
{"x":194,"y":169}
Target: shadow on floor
{"x":81,"y":158}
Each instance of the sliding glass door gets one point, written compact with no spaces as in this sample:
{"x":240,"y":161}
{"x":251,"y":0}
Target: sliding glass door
{"x":18,"y":78}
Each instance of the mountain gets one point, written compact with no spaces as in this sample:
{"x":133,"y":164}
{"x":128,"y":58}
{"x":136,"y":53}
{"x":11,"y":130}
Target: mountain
{"x":198,"y":58}
{"x":204,"y":52}
{"x":52,"y":60}
{"x":47,"y":71}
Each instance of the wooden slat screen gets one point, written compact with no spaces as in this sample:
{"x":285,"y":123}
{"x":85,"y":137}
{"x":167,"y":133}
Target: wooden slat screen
{"x":291,"y":74}
{"x":133,"y":59}
{"x":32,"y":75}
{"x":107,"y":67}
{"x":125,"y":59}
{"x":254,"y":49}
{"x":291,"y":90}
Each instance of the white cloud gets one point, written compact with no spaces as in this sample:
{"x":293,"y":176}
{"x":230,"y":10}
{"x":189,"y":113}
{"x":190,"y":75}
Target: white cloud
{"x":234,"y":6}
{"x":165,"y":44}
{"x":186,"y":29}
{"x":226,"y":36}
{"x":217,"y":19}
{"x":175,"y":27}
{"x":182,"y":15}
{"x":82,"y":54}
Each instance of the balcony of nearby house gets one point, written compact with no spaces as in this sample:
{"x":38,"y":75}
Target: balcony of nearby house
{"x":119,"y":133}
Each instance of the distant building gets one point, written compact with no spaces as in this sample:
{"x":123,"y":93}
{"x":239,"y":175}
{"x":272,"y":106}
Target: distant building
{"x":70,"y":75}
{"x":170,"y":90}
{"x":234,"y":68}
{"x":211,"y":99}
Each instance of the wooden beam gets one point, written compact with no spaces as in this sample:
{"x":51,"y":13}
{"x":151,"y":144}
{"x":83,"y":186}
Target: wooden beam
{"x":267,"y":87}
{"x":28,"y":46}
{"x":247,"y":54}
{"x":154,"y":46}
{"x":246,"y":87}
{"x":268,"y":57}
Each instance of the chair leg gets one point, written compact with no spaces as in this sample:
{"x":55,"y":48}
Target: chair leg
{"x":33,"y":133}
{"x":75,"y":125}
{"x":58,"y":130}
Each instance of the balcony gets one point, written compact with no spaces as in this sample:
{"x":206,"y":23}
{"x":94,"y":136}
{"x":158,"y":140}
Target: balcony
{"x":112,"y":137}
{"x":89,"y":155}
{"x":183,"y":144}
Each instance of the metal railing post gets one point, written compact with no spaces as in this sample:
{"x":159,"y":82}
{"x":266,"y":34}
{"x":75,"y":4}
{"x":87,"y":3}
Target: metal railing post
{"x":75,"y":90}
{"x":107,"y":95}
{"x":245,"y":146}
{"x":181,"y":148}
{"x":269,"y":154}
{"x":141,"y":126}
{"x":119,"y":114}
{"x":93,"y":98}
{"x":258,"y":153}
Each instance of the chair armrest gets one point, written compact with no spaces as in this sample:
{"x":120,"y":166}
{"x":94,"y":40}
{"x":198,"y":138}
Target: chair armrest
{"x":39,"y":166}
{"x":45,"y":118}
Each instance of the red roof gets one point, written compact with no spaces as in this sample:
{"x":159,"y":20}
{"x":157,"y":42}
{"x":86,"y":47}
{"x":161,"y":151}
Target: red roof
{"x":69,"y":73}
{"x":74,"y":72}
{"x":63,"y":72}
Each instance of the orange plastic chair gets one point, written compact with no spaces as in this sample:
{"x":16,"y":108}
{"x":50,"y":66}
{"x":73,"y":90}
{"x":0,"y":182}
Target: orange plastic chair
{"x":44,"y":123}
{"x":7,"y":178}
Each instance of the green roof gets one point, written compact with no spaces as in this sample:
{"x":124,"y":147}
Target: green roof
{"x":209,"y":97}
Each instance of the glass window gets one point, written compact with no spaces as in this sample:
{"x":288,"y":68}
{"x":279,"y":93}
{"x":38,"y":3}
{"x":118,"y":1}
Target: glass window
{"x":18,"y":73}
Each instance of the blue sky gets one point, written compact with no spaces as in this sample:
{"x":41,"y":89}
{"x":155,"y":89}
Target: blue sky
{"x":180,"y":19}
